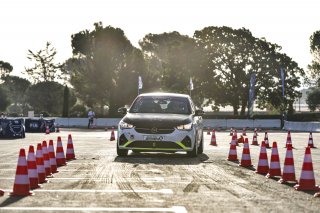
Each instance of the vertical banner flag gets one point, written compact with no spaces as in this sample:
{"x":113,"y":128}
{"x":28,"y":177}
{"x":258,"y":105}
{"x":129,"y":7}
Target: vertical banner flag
{"x":140,"y":84}
{"x":282,"y":79}
{"x":191,"y":84}
{"x":251,"y":94}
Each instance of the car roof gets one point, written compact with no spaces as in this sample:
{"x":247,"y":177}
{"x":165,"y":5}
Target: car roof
{"x":164,"y":94}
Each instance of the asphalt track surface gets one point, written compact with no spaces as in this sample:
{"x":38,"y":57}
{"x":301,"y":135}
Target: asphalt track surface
{"x":99,"y":181}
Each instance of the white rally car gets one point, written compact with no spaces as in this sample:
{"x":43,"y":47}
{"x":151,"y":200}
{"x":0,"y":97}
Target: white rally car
{"x":161,"y":122}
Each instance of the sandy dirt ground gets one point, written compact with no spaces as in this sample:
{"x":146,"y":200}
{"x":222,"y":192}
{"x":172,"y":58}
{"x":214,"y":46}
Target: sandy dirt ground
{"x":99,"y":181}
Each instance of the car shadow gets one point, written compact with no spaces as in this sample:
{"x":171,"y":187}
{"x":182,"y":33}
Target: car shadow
{"x":162,"y":158}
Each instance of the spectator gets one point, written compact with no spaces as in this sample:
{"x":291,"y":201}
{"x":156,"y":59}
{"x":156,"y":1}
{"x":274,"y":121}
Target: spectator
{"x":91,"y":116}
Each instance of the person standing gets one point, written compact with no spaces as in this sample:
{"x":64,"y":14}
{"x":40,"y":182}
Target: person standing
{"x":91,"y":116}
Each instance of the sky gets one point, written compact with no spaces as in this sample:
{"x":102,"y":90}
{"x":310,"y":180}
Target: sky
{"x":29,"y":24}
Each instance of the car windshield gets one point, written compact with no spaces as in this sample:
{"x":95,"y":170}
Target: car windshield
{"x":156,"y":104}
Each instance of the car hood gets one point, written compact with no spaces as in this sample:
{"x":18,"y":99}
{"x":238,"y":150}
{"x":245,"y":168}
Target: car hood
{"x":148,"y":120}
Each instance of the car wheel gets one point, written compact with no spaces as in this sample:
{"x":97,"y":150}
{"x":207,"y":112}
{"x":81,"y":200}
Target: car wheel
{"x":200,"y":149}
{"x":121,"y":152}
{"x":194,"y":152}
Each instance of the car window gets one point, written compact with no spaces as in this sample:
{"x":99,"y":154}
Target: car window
{"x":170,"y":105}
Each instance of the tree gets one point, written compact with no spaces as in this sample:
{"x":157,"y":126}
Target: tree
{"x":17,"y":87}
{"x":314,"y":67}
{"x":105,"y":67}
{"x":172,"y":60}
{"x":45,"y":69}
{"x":5,"y":101}
{"x":48,"y":97}
{"x":313,"y":99}
{"x":65,"y":109}
{"x":231,"y":56}
{"x":5,"y":69}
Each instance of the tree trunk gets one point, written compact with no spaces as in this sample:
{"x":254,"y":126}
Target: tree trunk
{"x":235,"y":110}
{"x":243,"y":107}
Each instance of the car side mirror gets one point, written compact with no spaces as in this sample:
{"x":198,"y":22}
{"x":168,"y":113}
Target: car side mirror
{"x":122,"y":110}
{"x":199,"y":112}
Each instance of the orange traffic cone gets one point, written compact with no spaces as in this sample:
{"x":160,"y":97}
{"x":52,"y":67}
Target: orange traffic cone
{"x":21,"y":185}
{"x":289,"y":141}
{"x":233,"y":150}
{"x":32,"y":169}
{"x":46,"y":159}
{"x":208,"y":131}
{"x":307,"y":181}
{"x":266,"y":140}
{"x":288,"y":173}
{"x":231,"y":132}
{"x":246,"y":158}
{"x":112,"y":137}
{"x":244,"y":132}
{"x":52,"y":157}
{"x":40,"y":165}
{"x":1,"y":192}
{"x":263,"y":164}
{"x":60,"y":158}
{"x":70,"y":151}
{"x":310,"y":142}
{"x":255,"y":139}
{"x":275,"y":169}
{"x":47,"y":130}
{"x":213,"y":139}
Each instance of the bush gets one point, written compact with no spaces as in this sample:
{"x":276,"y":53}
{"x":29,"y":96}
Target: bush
{"x":78,"y":111}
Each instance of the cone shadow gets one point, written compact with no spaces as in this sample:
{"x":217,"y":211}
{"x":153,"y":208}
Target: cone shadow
{"x":10,"y":200}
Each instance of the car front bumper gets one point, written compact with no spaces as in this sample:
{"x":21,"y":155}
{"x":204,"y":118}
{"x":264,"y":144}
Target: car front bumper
{"x":178,"y":140}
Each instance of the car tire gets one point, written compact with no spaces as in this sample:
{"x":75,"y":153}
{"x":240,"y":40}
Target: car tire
{"x":200,"y":149}
{"x":194,"y":152}
{"x":121,"y":152}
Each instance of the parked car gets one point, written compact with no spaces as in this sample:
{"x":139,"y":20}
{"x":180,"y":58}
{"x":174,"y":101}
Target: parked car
{"x":12,"y":128}
{"x":161,"y":122}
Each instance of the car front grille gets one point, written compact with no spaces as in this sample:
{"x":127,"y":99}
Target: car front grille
{"x":151,"y":130}
{"x":154,"y":144}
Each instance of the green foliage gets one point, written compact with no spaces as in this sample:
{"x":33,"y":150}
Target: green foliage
{"x":5,"y":101}
{"x":5,"y":69}
{"x":231,"y":56}
{"x":78,"y":111}
{"x":48,"y":96}
{"x":314,"y":67}
{"x":65,"y":109}
{"x":105,"y":67}
{"x":45,"y":69}
{"x":17,"y":87}
{"x":172,"y":60}
{"x":313,"y":99}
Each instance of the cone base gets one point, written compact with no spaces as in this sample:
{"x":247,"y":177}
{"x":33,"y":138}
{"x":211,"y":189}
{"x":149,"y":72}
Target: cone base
{"x":273,"y":175}
{"x":303,"y":187}
{"x":21,"y":190}
{"x":213,"y":144}
{"x":17,"y":194}
{"x":1,"y":192}
{"x":283,"y":181}
{"x":255,"y":144}
{"x":246,"y":165}
{"x":232,"y":158}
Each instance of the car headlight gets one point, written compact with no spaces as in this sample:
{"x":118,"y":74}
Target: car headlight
{"x":124,"y":125}
{"x":185,"y":127}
